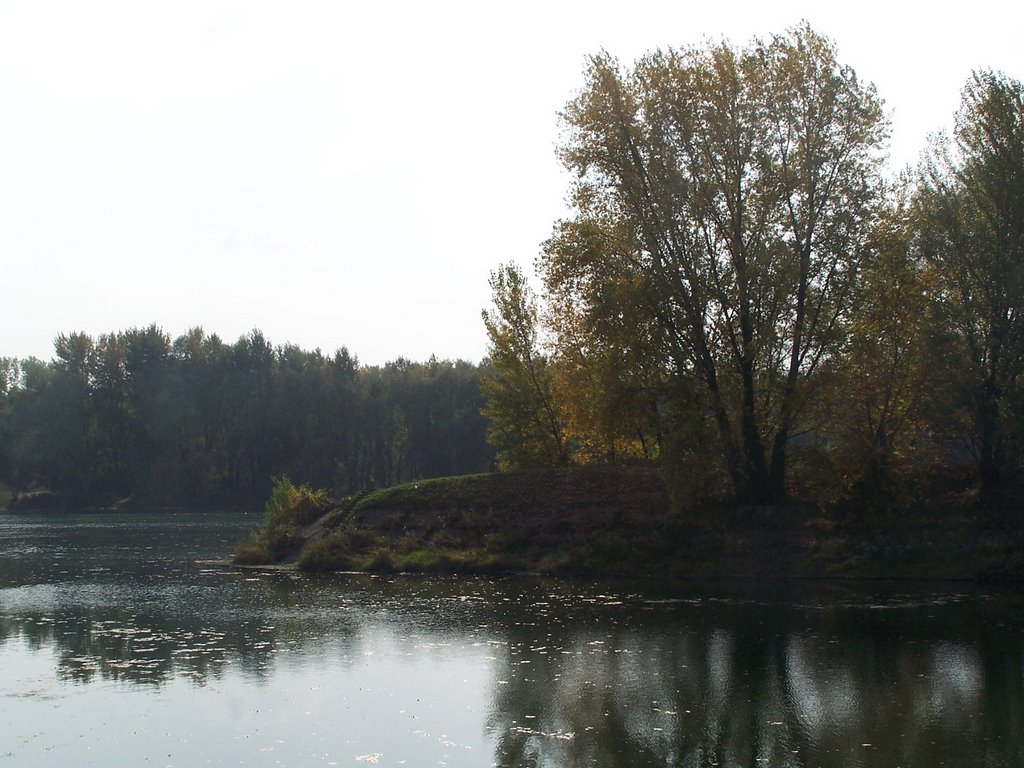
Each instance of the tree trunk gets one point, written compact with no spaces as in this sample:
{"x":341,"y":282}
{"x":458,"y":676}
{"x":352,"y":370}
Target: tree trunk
{"x":757,"y":488}
{"x":777,"y":469}
{"x":989,"y":445}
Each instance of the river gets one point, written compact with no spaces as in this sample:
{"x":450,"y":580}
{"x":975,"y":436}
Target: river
{"x":117,"y":648}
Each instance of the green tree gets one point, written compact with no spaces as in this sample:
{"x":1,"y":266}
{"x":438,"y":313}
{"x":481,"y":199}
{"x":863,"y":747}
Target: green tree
{"x":736,"y":185}
{"x":200,"y":421}
{"x":194,"y":384}
{"x":526,"y":428}
{"x":971,"y":202}
{"x":10,"y":382}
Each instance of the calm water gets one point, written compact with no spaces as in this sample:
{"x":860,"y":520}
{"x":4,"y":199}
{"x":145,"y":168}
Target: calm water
{"x":116,"y":648}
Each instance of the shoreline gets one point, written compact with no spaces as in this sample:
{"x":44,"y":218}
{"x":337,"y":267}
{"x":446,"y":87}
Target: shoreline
{"x":616,"y":521}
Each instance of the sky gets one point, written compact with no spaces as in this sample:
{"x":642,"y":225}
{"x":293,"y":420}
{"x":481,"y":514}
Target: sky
{"x":349,"y":174}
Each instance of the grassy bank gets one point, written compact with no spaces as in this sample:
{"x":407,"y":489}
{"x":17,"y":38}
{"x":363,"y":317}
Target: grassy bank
{"x":555,"y":521}
{"x":616,"y":521}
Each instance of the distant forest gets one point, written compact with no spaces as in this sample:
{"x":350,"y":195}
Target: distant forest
{"x":197,"y":421}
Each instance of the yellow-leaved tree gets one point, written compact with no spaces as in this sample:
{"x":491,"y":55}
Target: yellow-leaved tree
{"x":725,"y":195}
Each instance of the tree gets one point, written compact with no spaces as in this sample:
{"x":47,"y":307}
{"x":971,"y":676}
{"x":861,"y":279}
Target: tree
{"x":605,"y":377}
{"x":735,"y":186}
{"x":971,"y":202}
{"x":10,"y":381}
{"x":883,"y":377}
{"x":526,"y":428}
{"x":200,"y":421}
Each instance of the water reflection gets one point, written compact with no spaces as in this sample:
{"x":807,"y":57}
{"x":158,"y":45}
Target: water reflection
{"x":533,"y":672}
{"x":767,"y":685}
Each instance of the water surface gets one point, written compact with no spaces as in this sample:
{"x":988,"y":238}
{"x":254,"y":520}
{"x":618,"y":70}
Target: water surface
{"x":117,"y":648}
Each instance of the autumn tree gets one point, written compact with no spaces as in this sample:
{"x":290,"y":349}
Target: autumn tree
{"x":606,"y":379}
{"x":884,"y":376}
{"x":735,"y":186}
{"x":971,"y":204}
{"x":526,"y":428}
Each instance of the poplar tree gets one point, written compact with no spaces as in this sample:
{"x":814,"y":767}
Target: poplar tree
{"x":971,"y":203}
{"x":526,"y":428}
{"x":735,"y":186}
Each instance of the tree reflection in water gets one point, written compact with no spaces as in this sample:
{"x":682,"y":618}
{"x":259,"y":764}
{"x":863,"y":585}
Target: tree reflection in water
{"x":749,"y":684}
{"x":566,"y":673}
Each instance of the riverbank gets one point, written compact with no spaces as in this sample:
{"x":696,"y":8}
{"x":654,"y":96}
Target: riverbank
{"x":616,"y":521}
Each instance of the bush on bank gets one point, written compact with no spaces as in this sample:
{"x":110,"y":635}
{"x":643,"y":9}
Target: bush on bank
{"x":287,"y":511}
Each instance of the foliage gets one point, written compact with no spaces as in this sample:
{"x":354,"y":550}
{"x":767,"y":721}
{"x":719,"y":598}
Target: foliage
{"x":605,"y":375}
{"x":971,"y":232}
{"x":288,"y":509}
{"x":291,"y":505}
{"x":347,"y":549}
{"x":526,"y":429}
{"x":722,"y":200}
{"x":197,"y":421}
{"x":253,"y":550}
{"x":738,"y":288}
{"x":884,"y":384}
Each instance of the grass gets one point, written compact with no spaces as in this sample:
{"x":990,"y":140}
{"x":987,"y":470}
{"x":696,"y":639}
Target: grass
{"x":591,"y":520}
{"x":268,"y":545}
{"x":617,"y":521}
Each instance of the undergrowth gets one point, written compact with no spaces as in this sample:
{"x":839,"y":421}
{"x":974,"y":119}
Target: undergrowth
{"x":288,"y":509}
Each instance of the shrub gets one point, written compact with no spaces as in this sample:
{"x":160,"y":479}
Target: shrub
{"x":380,"y":562}
{"x":327,"y":554}
{"x":291,"y":505}
{"x":287,"y":510}
{"x":344,"y":550}
{"x":282,"y":540}
{"x":253,"y":550}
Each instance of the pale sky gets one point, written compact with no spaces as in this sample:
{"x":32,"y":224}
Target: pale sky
{"x":341,"y":174}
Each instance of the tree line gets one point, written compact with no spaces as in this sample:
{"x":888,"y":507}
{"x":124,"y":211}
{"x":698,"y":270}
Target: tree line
{"x":742,"y":283}
{"x":194,"y":420}
{"x":743,"y":292}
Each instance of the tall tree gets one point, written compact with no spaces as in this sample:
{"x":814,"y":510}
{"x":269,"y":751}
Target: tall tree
{"x":605,"y":373}
{"x":201,"y":421}
{"x":526,"y":428}
{"x":883,"y":377}
{"x":972,"y":233}
{"x":10,"y":380}
{"x":738,"y":183}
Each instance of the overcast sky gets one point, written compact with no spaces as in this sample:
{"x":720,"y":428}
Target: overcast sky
{"x":348,"y":174}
